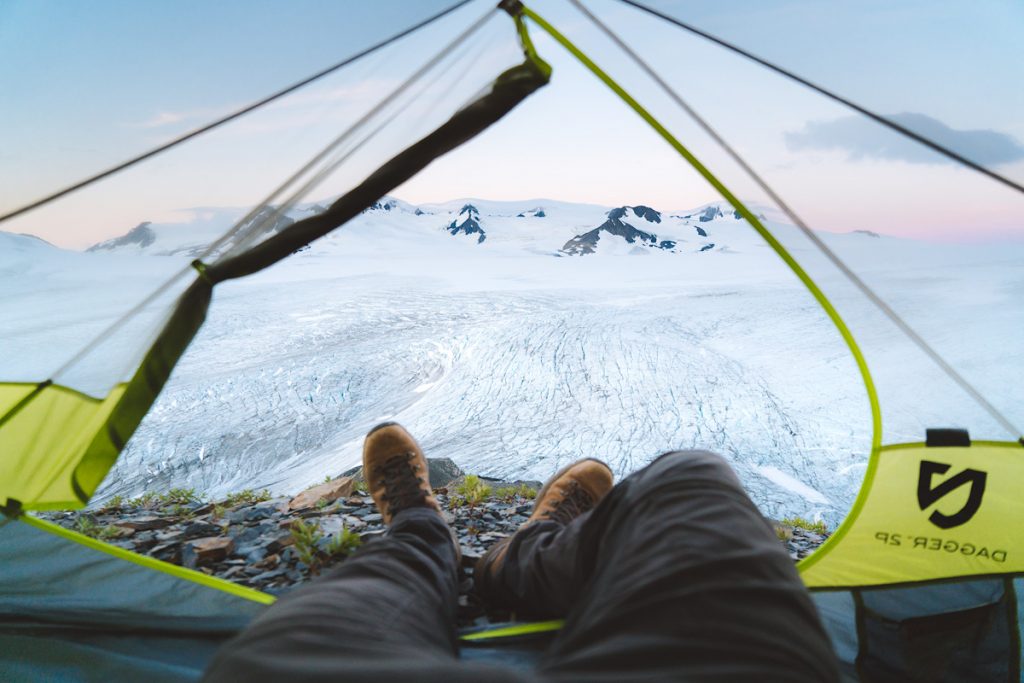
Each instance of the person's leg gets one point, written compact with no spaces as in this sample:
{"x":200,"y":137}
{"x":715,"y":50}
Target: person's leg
{"x":388,"y":608}
{"x":674,"y":576}
{"x":385,"y":614}
{"x":534,"y":572}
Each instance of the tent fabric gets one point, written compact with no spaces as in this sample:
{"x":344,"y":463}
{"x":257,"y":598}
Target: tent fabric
{"x":922,"y":580}
{"x":928,"y":513}
{"x":27,"y":432}
{"x":960,"y":631}
{"x":75,"y":580}
{"x":100,"y":657}
{"x":73,"y":609}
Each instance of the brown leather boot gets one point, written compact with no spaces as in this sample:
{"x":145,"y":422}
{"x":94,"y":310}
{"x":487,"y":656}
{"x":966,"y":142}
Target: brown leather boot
{"x":574,"y":489}
{"x":395,"y":471}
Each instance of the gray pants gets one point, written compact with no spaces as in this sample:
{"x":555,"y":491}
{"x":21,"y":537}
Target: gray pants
{"x":674,"y":576}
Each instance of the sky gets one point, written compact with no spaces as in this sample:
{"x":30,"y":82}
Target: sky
{"x":86,"y":85}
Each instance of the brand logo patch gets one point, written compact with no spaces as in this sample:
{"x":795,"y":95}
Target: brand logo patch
{"x":928,"y":495}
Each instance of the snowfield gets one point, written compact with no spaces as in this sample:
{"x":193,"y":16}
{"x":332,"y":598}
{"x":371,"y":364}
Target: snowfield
{"x":512,"y":357}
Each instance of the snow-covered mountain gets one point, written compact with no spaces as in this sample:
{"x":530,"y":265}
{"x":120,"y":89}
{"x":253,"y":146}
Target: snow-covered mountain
{"x":468,"y":223}
{"x":538,"y":226}
{"x":516,"y":336}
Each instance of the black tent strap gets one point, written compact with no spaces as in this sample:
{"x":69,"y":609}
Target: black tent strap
{"x":229,"y":117}
{"x":878,"y":118}
{"x":508,"y":90}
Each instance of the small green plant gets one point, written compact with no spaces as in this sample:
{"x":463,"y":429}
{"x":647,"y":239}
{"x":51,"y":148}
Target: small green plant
{"x":219,"y":511}
{"x":306,"y":536}
{"x":88,"y":527}
{"x":328,"y":479}
{"x":147,"y":500}
{"x":246,"y":497}
{"x":359,"y":486}
{"x":322,"y":504}
{"x":801,"y":523}
{"x":343,"y":543}
{"x":510,"y":493}
{"x":470,"y":491}
{"x":179,"y":497}
{"x":115,"y":502}
{"x":183,"y":511}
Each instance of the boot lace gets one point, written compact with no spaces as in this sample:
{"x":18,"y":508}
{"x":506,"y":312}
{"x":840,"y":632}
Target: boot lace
{"x":402,"y":485}
{"x":574,"y":503}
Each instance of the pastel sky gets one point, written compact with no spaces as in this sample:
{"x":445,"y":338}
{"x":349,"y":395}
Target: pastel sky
{"x":85,"y":85}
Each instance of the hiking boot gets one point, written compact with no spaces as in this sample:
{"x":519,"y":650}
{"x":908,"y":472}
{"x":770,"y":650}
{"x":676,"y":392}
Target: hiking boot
{"x":395,"y":471}
{"x":573,"y":490}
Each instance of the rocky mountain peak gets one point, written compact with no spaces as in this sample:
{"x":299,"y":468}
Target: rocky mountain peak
{"x":643,"y":212}
{"x":141,"y":235}
{"x":536,"y":213}
{"x":617,"y":225}
{"x":467,"y":222}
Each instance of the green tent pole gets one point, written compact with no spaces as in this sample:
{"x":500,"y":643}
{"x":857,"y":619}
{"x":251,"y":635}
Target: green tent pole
{"x":755,"y":222}
{"x":751,"y":218}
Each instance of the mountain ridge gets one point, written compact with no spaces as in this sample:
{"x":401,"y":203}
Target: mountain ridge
{"x":551,"y":227}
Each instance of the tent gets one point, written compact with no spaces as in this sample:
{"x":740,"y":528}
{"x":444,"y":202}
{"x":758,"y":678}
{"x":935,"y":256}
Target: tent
{"x":921,"y":581}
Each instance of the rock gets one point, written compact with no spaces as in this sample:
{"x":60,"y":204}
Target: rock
{"x":269,"y":562}
{"x":443,"y":471}
{"x":169,"y":535}
{"x":374,"y":518}
{"x":267,"y":576}
{"x":259,"y":512}
{"x":329,"y":492}
{"x":252,"y":554}
{"x":246,"y":534}
{"x":143,"y":541}
{"x":122,"y":531}
{"x":205,"y":551}
{"x":144,"y":522}
{"x":280,"y":541}
{"x":232,"y":571}
{"x":354,"y":522}
{"x":168,"y":552}
{"x":200,"y":529}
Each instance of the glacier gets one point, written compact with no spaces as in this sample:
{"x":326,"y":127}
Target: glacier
{"x":513,"y":356}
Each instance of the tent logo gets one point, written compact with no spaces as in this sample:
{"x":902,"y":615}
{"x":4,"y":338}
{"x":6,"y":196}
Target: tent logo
{"x":928,"y":495}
